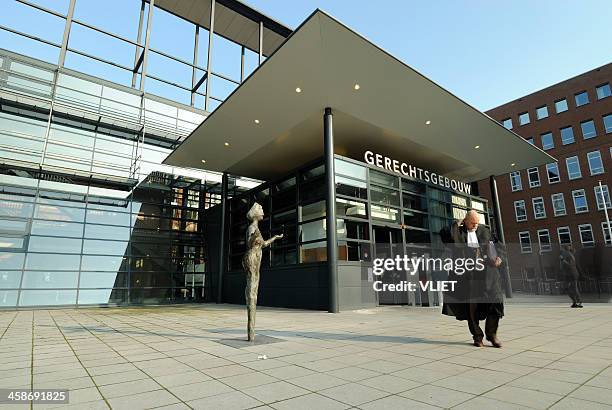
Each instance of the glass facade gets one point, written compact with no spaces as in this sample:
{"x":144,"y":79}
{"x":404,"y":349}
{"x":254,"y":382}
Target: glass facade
{"x":66,"y":244}
{"x":372,"y":207}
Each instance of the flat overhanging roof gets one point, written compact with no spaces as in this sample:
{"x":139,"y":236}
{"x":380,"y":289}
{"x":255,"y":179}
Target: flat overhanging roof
{"x":233,"y":20}
{"x":387,"y":115}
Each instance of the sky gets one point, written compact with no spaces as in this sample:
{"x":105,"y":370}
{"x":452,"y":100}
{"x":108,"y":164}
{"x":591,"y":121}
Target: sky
{"x":486,"y":52}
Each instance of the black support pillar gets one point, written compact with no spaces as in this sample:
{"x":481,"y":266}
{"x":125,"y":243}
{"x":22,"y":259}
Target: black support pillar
{"x":221,"y":268}
{"x":330,"y":208}
{"x":496,"y":210}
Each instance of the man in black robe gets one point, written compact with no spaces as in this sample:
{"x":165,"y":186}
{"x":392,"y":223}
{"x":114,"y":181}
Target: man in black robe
{"x":478,"y":293}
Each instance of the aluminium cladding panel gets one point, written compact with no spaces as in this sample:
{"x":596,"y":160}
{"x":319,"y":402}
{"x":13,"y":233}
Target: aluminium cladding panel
{"x":354,"y":289}
{"x":292,"y":286}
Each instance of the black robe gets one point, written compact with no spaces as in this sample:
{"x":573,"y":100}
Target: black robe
{"x":480,"y":287}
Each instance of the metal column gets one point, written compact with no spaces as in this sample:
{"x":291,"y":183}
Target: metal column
{"x":221,"y":266}
{"x":195,"y":63}
{"x":330,"y":208}
{"x":496,"y":209}
{"x":211,"y":31}
{"x":261,"y":27}
{"x":138,"y":41}
{"x":145,"y":52}
{"x":69,"y":16}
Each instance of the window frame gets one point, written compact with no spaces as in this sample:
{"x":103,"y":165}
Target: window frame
{"x":516,"y":208}
{"x":563,"y":141}
{"x":606,"y":204}
{"x":521,"y":115}
{"x":521,"y":243}
{"x":552,"y":140}
{"x":520,"y":181}
{"x":552,"y":200}
{"x":567,"y":166}
{"x":566,"y":105}
{"x":603,"y":86}
{"x":591,"y":243}
{"x":585,"y":201}
{"x":605,"y":231}
{"x":503,"y":123}
{"x":607,"y":130}
{"x":585,"y":137}
{"x":558,"y":178}
{"x":598,"y":154}
{"x":576,"y":95}
{"x":533,"y":203}
{"x":569,"y":233}
{"x":534,"y":184}
{"x":549,"y":247}
{"x":538,"y":112}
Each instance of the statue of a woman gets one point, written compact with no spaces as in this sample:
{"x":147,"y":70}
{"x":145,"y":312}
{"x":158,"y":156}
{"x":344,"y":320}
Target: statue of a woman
{"x":251,"y":263}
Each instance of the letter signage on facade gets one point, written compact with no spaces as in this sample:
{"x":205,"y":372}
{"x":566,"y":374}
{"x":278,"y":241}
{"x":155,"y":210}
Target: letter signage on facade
{"x":402,"y":168}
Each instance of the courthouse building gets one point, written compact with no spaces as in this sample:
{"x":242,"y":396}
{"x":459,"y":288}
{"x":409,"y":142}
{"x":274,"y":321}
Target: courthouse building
{"x":562,"y":202}
{"x":123,"y":182}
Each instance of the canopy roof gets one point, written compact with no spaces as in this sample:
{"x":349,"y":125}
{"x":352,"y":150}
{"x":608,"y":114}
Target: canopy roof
{"x":265,"y":128}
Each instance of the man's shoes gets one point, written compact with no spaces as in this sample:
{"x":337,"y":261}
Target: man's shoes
{"x":478,"y":343}
{"x":580,"y":305}
{"x":495,"y":341}
{"x":574,"y":305}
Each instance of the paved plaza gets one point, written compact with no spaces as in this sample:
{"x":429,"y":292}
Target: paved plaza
{"x":383,"y":358}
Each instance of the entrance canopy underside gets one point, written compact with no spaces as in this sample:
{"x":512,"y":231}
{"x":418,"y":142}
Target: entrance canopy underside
{"x":266,"y":128}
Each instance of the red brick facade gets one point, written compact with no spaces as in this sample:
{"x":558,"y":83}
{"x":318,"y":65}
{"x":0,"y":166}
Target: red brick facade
{"x":595,"y":259}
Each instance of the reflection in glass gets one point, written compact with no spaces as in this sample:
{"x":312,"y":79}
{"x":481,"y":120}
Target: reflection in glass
{"x":97,"y":247}
{"x":8,"y":297}
{"x":47,"y":297}
{"x":345,"y":207}
{"x":51,"y":244}
{"x":350,"y":169}
{"x":351,"y":187}
{"x":57,"y":228}
{"x":107,"y":232}
{"x":102,"y":296}
{"x":103,"y":279}
{"x":41,"y":280}
{"x":312,"y":211}
{"x":313,"y":252}
{"x":311,"y":231}
{"x":104,"y":263}
{"x":381,"y":178}
{"x":10,"y":279}
{"x":51,"y":261}
{"x":385,"y":214}
{"x":11,"y":261}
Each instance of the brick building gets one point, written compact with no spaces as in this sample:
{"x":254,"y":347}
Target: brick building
{"x":561,"y":202}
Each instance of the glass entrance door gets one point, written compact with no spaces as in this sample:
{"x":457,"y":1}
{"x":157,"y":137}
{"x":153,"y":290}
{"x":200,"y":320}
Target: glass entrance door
{"x":388,"y":244}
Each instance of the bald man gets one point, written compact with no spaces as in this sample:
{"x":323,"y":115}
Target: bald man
{"x":478,"y":294}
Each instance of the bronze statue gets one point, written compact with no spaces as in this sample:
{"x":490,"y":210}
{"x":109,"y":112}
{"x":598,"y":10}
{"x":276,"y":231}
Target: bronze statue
{"x":251,"y":263}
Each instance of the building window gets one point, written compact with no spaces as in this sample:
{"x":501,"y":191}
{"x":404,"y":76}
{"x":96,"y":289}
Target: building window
{"x":605,"y":228}
{"x":586,"y":234}
{"x":602,"y":197}
{"x":558,"y":203}
{"x":552,"y":170}
{"x":525,"y":241}
{"x":565,"y":237}
{"x":588,"y":129}
{"x":603,"y":91}
{"x":581,"y":98}
{"x":544,"y":240}
{"x":515,"y":181}
{"x":530,"y":140}
{"x":561,"y":106}
{"x":524,"y":118}
{"x":595,"y":162}
{"x":507,"y":123}
{"x":573,"y":167}
{"x":533,"y":174}
{"x":580,"y":202}
{"x":607,"y":120}
{"x":520,"y":210}
{"x":541,"y":112}
{"x":547,"y":140}
{"x":567,"y":135}
{"x":539,"y":211}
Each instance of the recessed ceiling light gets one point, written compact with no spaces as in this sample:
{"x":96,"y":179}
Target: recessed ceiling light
{"x":427,"y":122}
{"x":513,"y":164}
{"x":203,"y":161}
{"x":477,"y":146}
{"x":226,"y":144}
{"x":356,"y":86}
{"x":298,"y":90}
{"x":256,"y":121}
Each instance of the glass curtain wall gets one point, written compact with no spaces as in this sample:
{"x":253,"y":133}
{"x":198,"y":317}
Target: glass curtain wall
{"x":366,"y":199}
{"x":66,"y":244}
